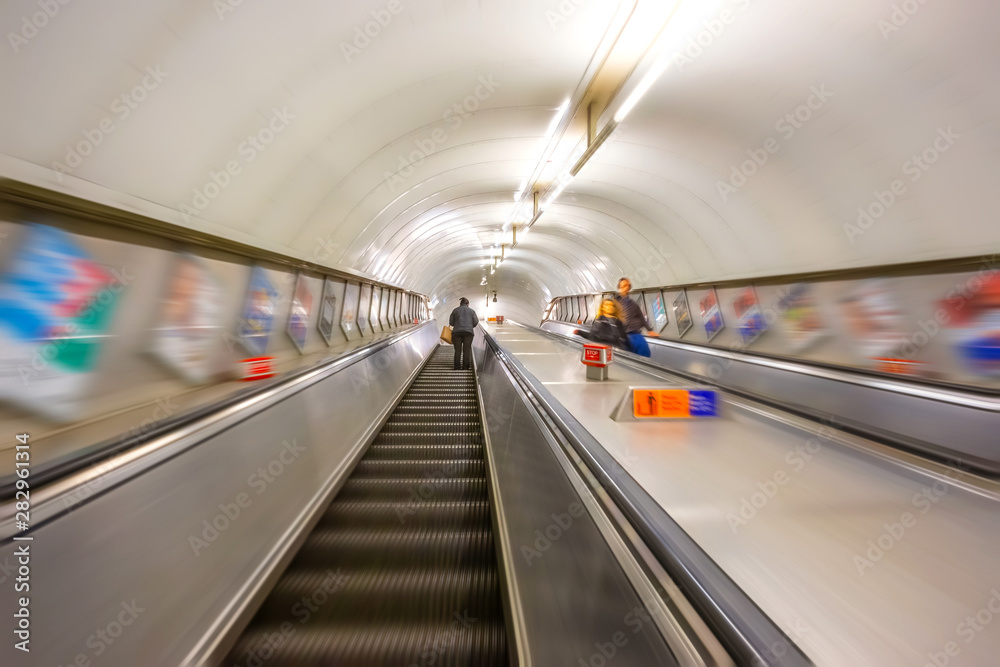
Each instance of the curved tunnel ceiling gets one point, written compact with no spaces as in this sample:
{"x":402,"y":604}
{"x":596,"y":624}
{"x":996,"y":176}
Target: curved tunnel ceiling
{"x":397,"y":154}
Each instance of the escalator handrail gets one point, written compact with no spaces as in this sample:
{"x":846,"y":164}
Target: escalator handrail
{"x":747,"y":632}
{"x":974,"y":397}
{"x":71,"y":482}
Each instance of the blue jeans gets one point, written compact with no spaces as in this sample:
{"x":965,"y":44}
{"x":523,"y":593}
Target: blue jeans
{"x":637,"y":344}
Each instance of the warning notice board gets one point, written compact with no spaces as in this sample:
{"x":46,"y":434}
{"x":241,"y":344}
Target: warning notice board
{"x":674,"y":403}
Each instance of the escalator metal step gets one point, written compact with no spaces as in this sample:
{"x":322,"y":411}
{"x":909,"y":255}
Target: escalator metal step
{"x":406,"y":546}
{"x":401,"y":568}
{"x":442,"y":410}
{"x":460,"y":640}
{"x":455,"y":514}
{"x":422,"y":421}
{"x":414,"y":593}
{"x":422,"y":452}
{"x":428,"y":468}
{"x":437,"y":427}
{"x":403,"y":489}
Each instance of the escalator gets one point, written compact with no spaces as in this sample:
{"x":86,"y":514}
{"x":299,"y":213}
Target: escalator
{"x":401,"y":569}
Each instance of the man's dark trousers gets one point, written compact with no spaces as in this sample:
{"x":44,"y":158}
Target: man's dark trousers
{"x":462,"y":340}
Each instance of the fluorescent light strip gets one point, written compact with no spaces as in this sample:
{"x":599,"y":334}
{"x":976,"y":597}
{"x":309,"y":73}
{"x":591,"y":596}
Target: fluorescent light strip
{"x":549,"y":132}
{"x":551,"y":198}
{"x":647,"y":82}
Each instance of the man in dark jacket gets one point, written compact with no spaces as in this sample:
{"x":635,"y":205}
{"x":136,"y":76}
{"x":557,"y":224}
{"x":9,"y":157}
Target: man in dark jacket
{"x":463,"y":324}
{"x":633,"y":319}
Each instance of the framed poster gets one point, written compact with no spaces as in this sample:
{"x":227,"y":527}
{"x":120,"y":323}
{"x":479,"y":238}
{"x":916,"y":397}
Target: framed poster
{"x":749,"y":316}
{"x":800,"y":315}
{"x":873,"y":319}
{"x":255,"y":326}
{"x":298,"y":317}
{"x":392,"y":309}
{"x":56,"y":309}
{"x":376,"y":304}
{"x":327,"y":312}
{"x":682,"y":315}
{"x":657,"y":310}
{"x":711,"y":314}
{"x":974,"y":325}
{"x":349,"y":314}
{"x":363,"y":304}
{"x":383,"y":313}
{"x":189,"y":319}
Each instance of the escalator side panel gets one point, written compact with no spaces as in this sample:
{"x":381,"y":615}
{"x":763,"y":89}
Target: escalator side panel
{"x":575,"y":598}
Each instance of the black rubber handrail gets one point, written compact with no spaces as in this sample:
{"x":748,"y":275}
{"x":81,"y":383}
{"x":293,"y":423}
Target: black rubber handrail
{"x":905,"y":443}
{"x":973,"y":391}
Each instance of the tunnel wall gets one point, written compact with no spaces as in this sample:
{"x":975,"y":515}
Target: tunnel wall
{"x":936,"y":324}
{"x":145,"y":353}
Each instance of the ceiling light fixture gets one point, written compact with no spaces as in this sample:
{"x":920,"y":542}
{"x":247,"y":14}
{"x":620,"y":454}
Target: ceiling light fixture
{"x":549,"y":133}
{"x":647,"y":82}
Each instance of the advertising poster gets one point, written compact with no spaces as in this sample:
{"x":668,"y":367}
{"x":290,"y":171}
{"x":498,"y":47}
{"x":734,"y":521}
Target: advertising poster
{"x":711,"y":314}
{"x":189,"y":321}
{"x":802,"y":322}
{"x":347,"y":318}
{"x":363,"y":304}
{"x":748,"y":314}
{"x":56,"y":308}
{"x":298,"y":317}
{"x":327,"y":311}
{"x":376,"y":302}
{"x":975,"y":325}
{"x":876,"y":324}
{"x":258,"y":315}
{"x":659,"y":312}
{"x":682,"y":315}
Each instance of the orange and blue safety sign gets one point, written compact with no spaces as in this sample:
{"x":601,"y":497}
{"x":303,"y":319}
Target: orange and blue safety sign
{"x":674,"y":403}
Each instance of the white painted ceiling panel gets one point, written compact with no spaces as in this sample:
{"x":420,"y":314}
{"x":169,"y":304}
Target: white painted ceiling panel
{"x":373,"y":170}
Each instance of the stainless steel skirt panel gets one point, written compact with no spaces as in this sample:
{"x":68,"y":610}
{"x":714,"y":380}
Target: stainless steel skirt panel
{"x":575,"y":597}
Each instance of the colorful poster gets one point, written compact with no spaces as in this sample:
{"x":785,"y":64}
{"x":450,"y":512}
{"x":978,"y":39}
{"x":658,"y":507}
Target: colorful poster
{"x":56,"y":308}
{"x":659,"y":312}
{"x":255,"y":327}
{"x":298,"y":317}
{"x":873,"y":319}
{"x":189,"y":322}
{"x":974,"y":320}
{"x":802,"y":322}
{"x":748,"y":314}
{"x":682,"y":315}
{"x":711,"y":314}
{"x":327,"y":311}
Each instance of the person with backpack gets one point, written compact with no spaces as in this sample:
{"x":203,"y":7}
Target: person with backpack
{"x":633,"y":319}
{"x":463,"y":322}
{"x":607,"y":327}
